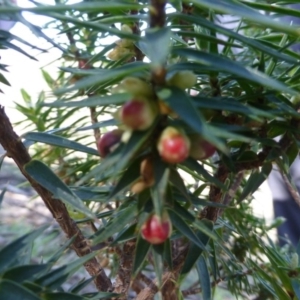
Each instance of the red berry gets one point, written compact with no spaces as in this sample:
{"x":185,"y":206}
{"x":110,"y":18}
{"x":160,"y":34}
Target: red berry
{"x":200,"y":148}
{"x":156,"y":230}
{"x":109,"y":141}
{"x":137,"y":114}
{"x":173,"y":145}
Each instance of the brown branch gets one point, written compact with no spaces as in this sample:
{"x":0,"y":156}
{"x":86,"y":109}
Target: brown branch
{"x":291,"y":189}
{"x":97,"y":133}
{"x":157,"y":13}
{"x":15,"y":149}
{"x":122,"y":282}
{"x":215,"y":193}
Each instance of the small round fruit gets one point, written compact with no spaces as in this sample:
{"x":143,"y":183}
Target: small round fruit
{"x":137,"y":114}
{"x":183,"y":80}
{"x":200,"y":148}
{"x":173,"y":145}
{"x":109,"y":141}
{"x":156,"y":230}
{"x":136,"y":86}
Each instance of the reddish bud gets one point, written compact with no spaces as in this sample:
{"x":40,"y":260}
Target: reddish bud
{"x":200,"y":148}
{"x":109,"y":141}
{"x":137,"y":114}
{"x":156,"y":230}
{"x":173,"y":145}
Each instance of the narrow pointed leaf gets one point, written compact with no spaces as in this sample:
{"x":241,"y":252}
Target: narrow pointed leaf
{"x":17,"y":247}
{"x":58,"y":276}
{"x":122,"y":219}
{"x":10,"y":290}
{"x":296,"y":287}
{"x":61,"y":295}
{"x":106,"y":75}
{"x":50,"y":181}
{"x":156,"y":45}
{"x":58,"y":141}
{"x":185,"y":229}
{"x":232,"y":67}
{"x":115,"y":99}
{"x":235,"y":8}
{"x":194,"y":252}
{"x":141,"y":251}
{"x":204,"y":278}
{"x":127,"y":179}
{"x":158,"y":191}
{"x":255,"y":180}
{"x":24,"y":272}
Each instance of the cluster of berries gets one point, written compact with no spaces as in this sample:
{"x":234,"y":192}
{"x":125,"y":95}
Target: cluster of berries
{"x":173,"y":144}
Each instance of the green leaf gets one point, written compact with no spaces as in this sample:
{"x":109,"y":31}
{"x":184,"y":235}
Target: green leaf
{"x":278,"y":291}
{"x":255,"y":180}
{"x":115,"y":99}
{"x":10,"y":290}
{"x":104,"y":76}
{"x":16,"y":48}
{"x":192,"y":164}
{"x":185,"y":229}
{"x":183,"y":105}
{"x":61,"y":295}
{"x":194,"y":252}
{"x":48,"y":179}
{"x":158,"y":191}
{"x":59,"y":141}
{"x":127,"y":179}
{"x":178,"y":183}
{"x":82,"y":7}
{"x":234,"y":35}
{"x":105,"y":295}
{"x":156,"y":45}
{"x":2,"y":195}
{"x":231,"y":104}
{"x":4,"y":80}
{"x":17,"y":247}
{"x":111,"y":122}
{"x":158,"y":263}
{"x":82,"y":284}
{"x":131,"y":148}
{"x":118,"y":222}
{"x":24,"y":272}
{"x":204,"y":278}
{"x":235,"y":8}
{"x":206,"y":228}
{"x":141,"y":251}
{"x":58,"y":276}
{"x":57,"y":254}
{"x":183,"y":212}
{"x":296,"y":287}
{"x":126,"y":234}
{"x":224,"y":64}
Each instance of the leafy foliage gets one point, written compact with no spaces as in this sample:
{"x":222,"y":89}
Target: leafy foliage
{"x":241,"y":93}
{"x":22,"y":279}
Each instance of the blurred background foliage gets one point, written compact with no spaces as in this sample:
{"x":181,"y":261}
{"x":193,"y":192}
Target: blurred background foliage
{"x":245,"y":95}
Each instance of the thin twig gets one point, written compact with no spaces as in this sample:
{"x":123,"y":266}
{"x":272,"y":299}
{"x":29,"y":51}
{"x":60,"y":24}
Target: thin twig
{"x":15,"y":149}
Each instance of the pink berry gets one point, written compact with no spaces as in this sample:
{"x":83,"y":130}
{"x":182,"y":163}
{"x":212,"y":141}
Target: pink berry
{"x":156,"y":230}
{"x":173,"y":145}
{"x":137,"y":114}
{"x":200,"y":148}
{"x":109,"y":141}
